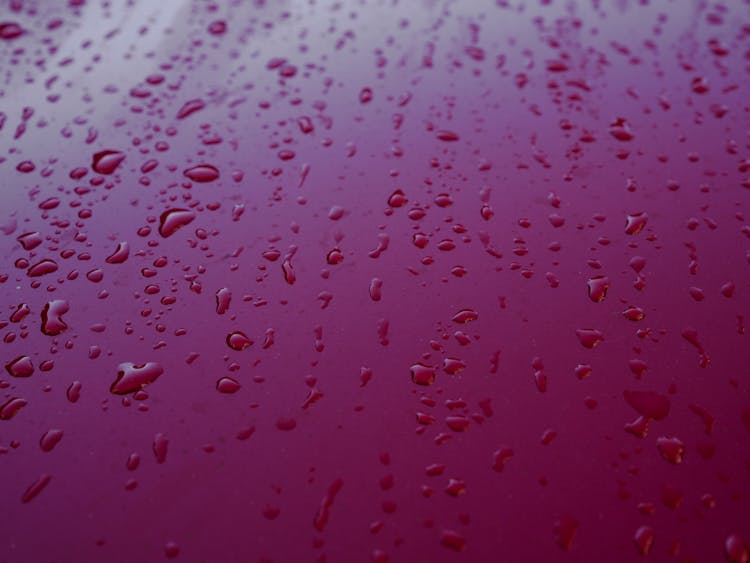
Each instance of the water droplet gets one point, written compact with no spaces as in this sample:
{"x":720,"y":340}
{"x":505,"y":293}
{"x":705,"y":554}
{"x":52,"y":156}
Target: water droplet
{"x":190,"y":107}
{"x":397,"y":199}
{"x":447,"y":136}
{"x":22,"y":366}
{"x":501,"y":457}
{"x":227,"y":385}
{"x":376,"y":289}
{"x":635,"y":223}
{"x":74,"y":391}
{"x":565,"y":529}
{"x":134,"y":377}
{"x":173,"y":220}
{"x":41,"y":268}
{"x":598,"y":286}
{"x":21,"y":312}
{"x":644,"y":539}
{"x":202,"y":173}
{"x":335,"y":257}
{"x":238,"y":340}
{"x":120,"y":254}
{"x":50,"y":439}
{"x":171,"y":550}
{"x":223,"y":299}
{"x":288,"y":270}
{"x":35,"y":488}
{"x":52,"y":321}
{"x":589,"y":337}
{"x":671,"y":449}
{"x":323,"y":513}
{"x":29,"y":241}
{"x":648,"y":403}
{"x":736,"y":549}
{"x":286,"y":423}
{"x":10,"y":31}
{"x":465,"y":316}
{"x":106,"y":162}
{"x":620,"y":130}
{"x":634,"y":314}
{"x":422,"y":374}
{"x":9,"y":409}
{"x":160,"y":446}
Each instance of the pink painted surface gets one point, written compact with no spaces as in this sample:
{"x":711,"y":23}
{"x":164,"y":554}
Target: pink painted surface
{"x":406,"y":281}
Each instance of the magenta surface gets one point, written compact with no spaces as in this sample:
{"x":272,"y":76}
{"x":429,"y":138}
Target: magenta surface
{"x":407,"y":281}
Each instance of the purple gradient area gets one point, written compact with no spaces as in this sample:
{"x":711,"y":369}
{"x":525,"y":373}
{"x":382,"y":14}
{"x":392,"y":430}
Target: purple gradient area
{"x":406,"y":281}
